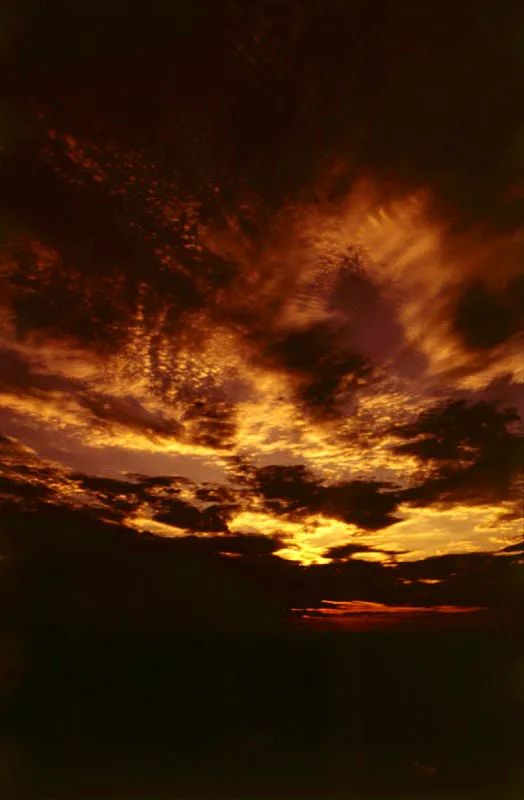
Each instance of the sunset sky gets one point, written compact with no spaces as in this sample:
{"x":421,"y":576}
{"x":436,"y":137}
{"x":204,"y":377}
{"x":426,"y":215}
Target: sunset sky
{"x":262,"y":287}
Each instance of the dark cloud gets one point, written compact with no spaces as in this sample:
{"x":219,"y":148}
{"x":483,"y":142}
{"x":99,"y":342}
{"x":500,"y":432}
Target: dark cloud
{"x":514,"y":548}
{"x":485,"y":318}
{"x":47,"y":529}
{"x":129,"y":412}
{"x":373,"y":327}
{"x":82,"y":296}
{"x":173,"y":483}
{"x":473,"y":450}
{"x":343,"y":551}
{"x":8,"y":445}
{"x":108,"y":486}
{"x":118,"y":497}
{"x":248,"y":546}
{"x":211,"y":493}
{"x":410,"y":93}
{"x":457,"y":431}
{"x":106,"y":260}
{"x":22,"y":491}
{"x":162,"y":493}
{"x":26,"y":481}
{"x":133,"y":570}
{"x":371,"y":87}
{"x":212,"y":423}
{"x":184,"y":515}
{"x":350,"y":579}
{"x":294,"y":489}
{"x":20,"y":377}
{"x":287,"y":488}
{"x":477,"y":579}
{"x":207,"y":422}
{"x":367,"y":504}
{"x":409,"y":97}
{"x":322,"y":363}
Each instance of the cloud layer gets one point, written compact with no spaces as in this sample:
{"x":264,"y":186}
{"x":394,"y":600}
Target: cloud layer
{"x":276,"y":262}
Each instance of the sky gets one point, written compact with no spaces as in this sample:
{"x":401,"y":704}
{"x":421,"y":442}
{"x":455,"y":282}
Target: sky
{"x":262,"y":289}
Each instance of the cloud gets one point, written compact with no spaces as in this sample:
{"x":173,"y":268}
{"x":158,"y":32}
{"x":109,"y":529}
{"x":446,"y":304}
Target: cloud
{"x":472,"y":453}
{"x":90,"y":289}
{"x":19,"y":376}
{"x":27,"y":480}
{"x":290,"y":488}
{"x":367,"y":504}
{"x":286,"y":288}
{"x":422,"y":267}
{"x":342,"y":552}
{"x":468,"y":579}
{"x":485,"y":319}
{"x":80,"y":526}
{"x":322,"y":365}
{"x":129,"y":413}
{"x":514,"y":548}
{"x":17,"y":491}
{"x":124,"y":411}
{"x":440,"y":528}
{"x":293,"y":489}
{"x":364,"y":609}
{"x":183,"y":515}
{"x":211,"y":424}
{"x":247,"y":546}
{"x":428,"y":92}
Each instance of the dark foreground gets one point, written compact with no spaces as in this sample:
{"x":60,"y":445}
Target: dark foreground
{"x":375,"y":714}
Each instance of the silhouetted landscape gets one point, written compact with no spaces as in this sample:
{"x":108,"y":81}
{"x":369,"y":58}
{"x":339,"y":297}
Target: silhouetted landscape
{"x":140,"y":667}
